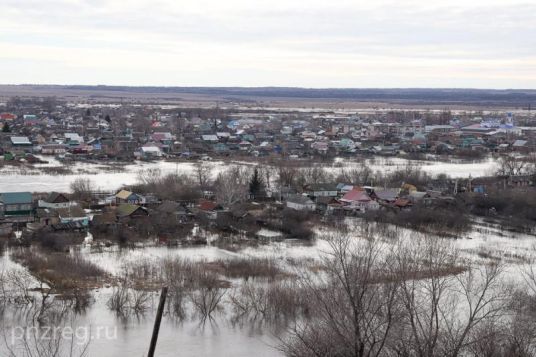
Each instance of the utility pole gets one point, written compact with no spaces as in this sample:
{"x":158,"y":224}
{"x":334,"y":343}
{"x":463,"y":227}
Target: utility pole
{"x":156,"y":327}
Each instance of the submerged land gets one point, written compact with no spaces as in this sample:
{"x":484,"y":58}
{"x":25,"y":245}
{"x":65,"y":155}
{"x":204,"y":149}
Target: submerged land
{"x":287,"y":221}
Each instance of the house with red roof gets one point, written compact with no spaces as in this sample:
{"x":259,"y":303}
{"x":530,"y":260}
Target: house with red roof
{"x":358,"y":199}
{"x":7,"y":116}
{"x":403,"y":203}
{"x":209,"y":209}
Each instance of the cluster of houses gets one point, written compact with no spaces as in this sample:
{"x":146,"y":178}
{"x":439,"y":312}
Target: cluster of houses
{"x":58,"y":212}
{"x":349,"y":199}
{"x":152,"y":133}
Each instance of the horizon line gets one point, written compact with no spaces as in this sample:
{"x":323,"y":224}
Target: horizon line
{"x":261,"y":87}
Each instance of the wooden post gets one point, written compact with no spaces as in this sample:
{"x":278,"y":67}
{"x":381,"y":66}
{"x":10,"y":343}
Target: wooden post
{"x":156,"y":327}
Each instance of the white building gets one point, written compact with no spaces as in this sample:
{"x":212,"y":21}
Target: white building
{"x":150,"y":151}
{"x":300,"y":203}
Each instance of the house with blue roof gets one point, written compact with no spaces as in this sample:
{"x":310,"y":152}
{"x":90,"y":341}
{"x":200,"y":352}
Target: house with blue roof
{"x":16,"y":204}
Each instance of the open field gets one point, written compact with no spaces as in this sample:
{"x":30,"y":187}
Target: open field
{"x":467,"y":99}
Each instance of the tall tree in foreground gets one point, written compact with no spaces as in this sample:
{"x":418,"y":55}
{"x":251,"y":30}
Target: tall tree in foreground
{"x":410,"y":297}
{"x":354,"y":303}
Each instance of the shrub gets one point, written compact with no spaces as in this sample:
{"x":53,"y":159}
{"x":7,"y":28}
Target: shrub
{"x":63,"y":271}
{"x":438,"y":220}
{"x":294,"y":224}
{"x":246,"y":268}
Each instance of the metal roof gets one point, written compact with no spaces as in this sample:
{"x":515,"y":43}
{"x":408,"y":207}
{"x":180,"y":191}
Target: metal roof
{"x":15,"y":197}
{"x":123,"y":194}
{"x":20,"y":140}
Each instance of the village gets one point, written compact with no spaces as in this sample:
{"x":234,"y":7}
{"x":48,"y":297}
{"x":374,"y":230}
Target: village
{"x":82,"y":131}
{"x":290,"y":148}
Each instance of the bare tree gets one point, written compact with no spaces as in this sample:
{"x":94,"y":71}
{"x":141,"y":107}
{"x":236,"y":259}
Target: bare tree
{"x":361,"y":175}
{"x":412,"y":298}
{"x":286,"y":175}
{"x":267,"y":172}
{"x":203,"y":173}
{"x":315,"y":175}
{"x":231,"y":185}
{"x":206,"y":300}
{"x":353,"y":303}
{"x":444,"y":303}
{"x":510,"y":165}
{"x":82,"y":189}
{"x":149,"y":176}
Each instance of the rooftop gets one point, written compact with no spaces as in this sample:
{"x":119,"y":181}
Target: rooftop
{"x":15,"y":197}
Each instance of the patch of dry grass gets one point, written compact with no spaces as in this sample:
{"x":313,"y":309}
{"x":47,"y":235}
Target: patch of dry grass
{"x":62,"y":271}
{"x":248,"y":268}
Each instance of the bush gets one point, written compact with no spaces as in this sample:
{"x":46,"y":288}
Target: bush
{"x":58,"y":242}
{"x":246,"y":268}
{"x":438,"y":220}
{"x":294,"y":224}
{"x":514,"y":207}
{"x":62,"y":271}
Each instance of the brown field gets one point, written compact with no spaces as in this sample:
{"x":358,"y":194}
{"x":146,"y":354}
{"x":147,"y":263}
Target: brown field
{"x":185,"y":99}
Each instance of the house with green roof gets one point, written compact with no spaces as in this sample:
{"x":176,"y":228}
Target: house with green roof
{"x":221,"y":147}
{"x":128,"y":210}
{"x":16,"y":204}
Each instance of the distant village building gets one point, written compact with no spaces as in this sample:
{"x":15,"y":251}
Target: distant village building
{"x":300,"y":203}
{"x":359,"y":200}
{"x":20,"y":141}
{"x":53,"y":149}
{"x":149,"y":152}
{"x":73,"y":214}
{"x":127,"y":210}
{"x":125,"y":196}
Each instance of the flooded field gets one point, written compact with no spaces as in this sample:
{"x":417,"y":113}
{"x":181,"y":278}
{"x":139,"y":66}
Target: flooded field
{"x":221,"y":335}
{"x":110,"y":178}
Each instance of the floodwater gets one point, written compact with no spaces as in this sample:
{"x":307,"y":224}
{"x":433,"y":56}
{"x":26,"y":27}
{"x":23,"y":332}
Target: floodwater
{"x":105,"y":179}
{"x":456,"y":169}
{"x":176,"y":338}
{"x":107,"y":335}
{"x":131,"y":336}
{"x":102,"y":179}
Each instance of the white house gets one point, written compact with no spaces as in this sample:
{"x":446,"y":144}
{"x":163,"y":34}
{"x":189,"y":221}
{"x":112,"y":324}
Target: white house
{"x":73,"y":138}
{"x":55,"y":200}
{"x":210,"y":138}
{"x":53,"y":149}
{"x":300,"y":203}
{"x":322,"y":190}
{"x":149,"y":152}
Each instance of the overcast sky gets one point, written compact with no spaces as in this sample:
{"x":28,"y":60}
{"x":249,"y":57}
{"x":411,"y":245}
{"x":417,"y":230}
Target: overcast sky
{"x":309,"y":43}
